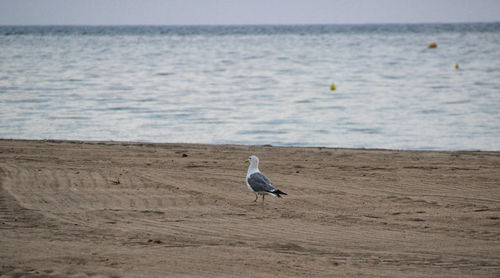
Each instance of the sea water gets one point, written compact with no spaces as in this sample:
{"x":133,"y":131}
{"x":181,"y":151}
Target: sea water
{"x":255,"y":84}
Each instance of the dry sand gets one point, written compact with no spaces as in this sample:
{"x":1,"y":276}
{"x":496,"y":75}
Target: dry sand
{"x":154,"y":210}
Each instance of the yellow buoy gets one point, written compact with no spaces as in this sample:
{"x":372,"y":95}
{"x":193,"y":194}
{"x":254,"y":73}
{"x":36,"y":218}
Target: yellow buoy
{"x":433,"y":45}
{"x":457,"y":66}
{"x":333,"y":87}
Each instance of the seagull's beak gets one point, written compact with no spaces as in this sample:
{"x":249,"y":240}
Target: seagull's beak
{"x":246,"y":160}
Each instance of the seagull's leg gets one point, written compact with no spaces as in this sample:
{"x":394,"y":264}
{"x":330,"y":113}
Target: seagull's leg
{"x":256,"y":197}
{"x":263,"y":195}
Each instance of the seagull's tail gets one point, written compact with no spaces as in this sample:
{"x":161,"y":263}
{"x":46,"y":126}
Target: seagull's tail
{"x":277,"y":192}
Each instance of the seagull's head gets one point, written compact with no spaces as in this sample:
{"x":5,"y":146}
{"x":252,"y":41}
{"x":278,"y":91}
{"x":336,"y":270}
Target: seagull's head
{"x":254,"y":161}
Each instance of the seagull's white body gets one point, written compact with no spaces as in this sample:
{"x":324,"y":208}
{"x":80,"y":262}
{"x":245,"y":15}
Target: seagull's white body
{"x":252,"y":169}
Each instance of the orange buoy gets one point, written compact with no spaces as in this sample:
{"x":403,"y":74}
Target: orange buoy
{"x":433,"y":45}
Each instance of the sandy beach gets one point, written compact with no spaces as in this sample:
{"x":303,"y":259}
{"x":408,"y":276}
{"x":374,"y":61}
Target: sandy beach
{"x":116,"y":209}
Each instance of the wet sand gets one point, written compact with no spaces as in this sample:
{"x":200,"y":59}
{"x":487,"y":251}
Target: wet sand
{"x":78,"y":209}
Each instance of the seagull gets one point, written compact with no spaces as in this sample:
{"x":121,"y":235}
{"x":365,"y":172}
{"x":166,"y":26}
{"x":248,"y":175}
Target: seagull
{"x":258,"y":183}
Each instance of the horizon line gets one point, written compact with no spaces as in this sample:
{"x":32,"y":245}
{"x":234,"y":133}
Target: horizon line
{"x":246,"y":24}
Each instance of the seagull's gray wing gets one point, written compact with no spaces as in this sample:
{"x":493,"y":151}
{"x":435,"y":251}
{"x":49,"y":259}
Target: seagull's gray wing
{"x":260,"y":183}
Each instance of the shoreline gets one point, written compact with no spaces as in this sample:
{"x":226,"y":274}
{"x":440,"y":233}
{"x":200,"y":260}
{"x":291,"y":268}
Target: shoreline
{"x":238,"y":144}
{"x":87,"y":208}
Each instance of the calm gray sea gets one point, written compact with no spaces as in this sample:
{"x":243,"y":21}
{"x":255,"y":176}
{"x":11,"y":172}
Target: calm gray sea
{"x":255,"y":85}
